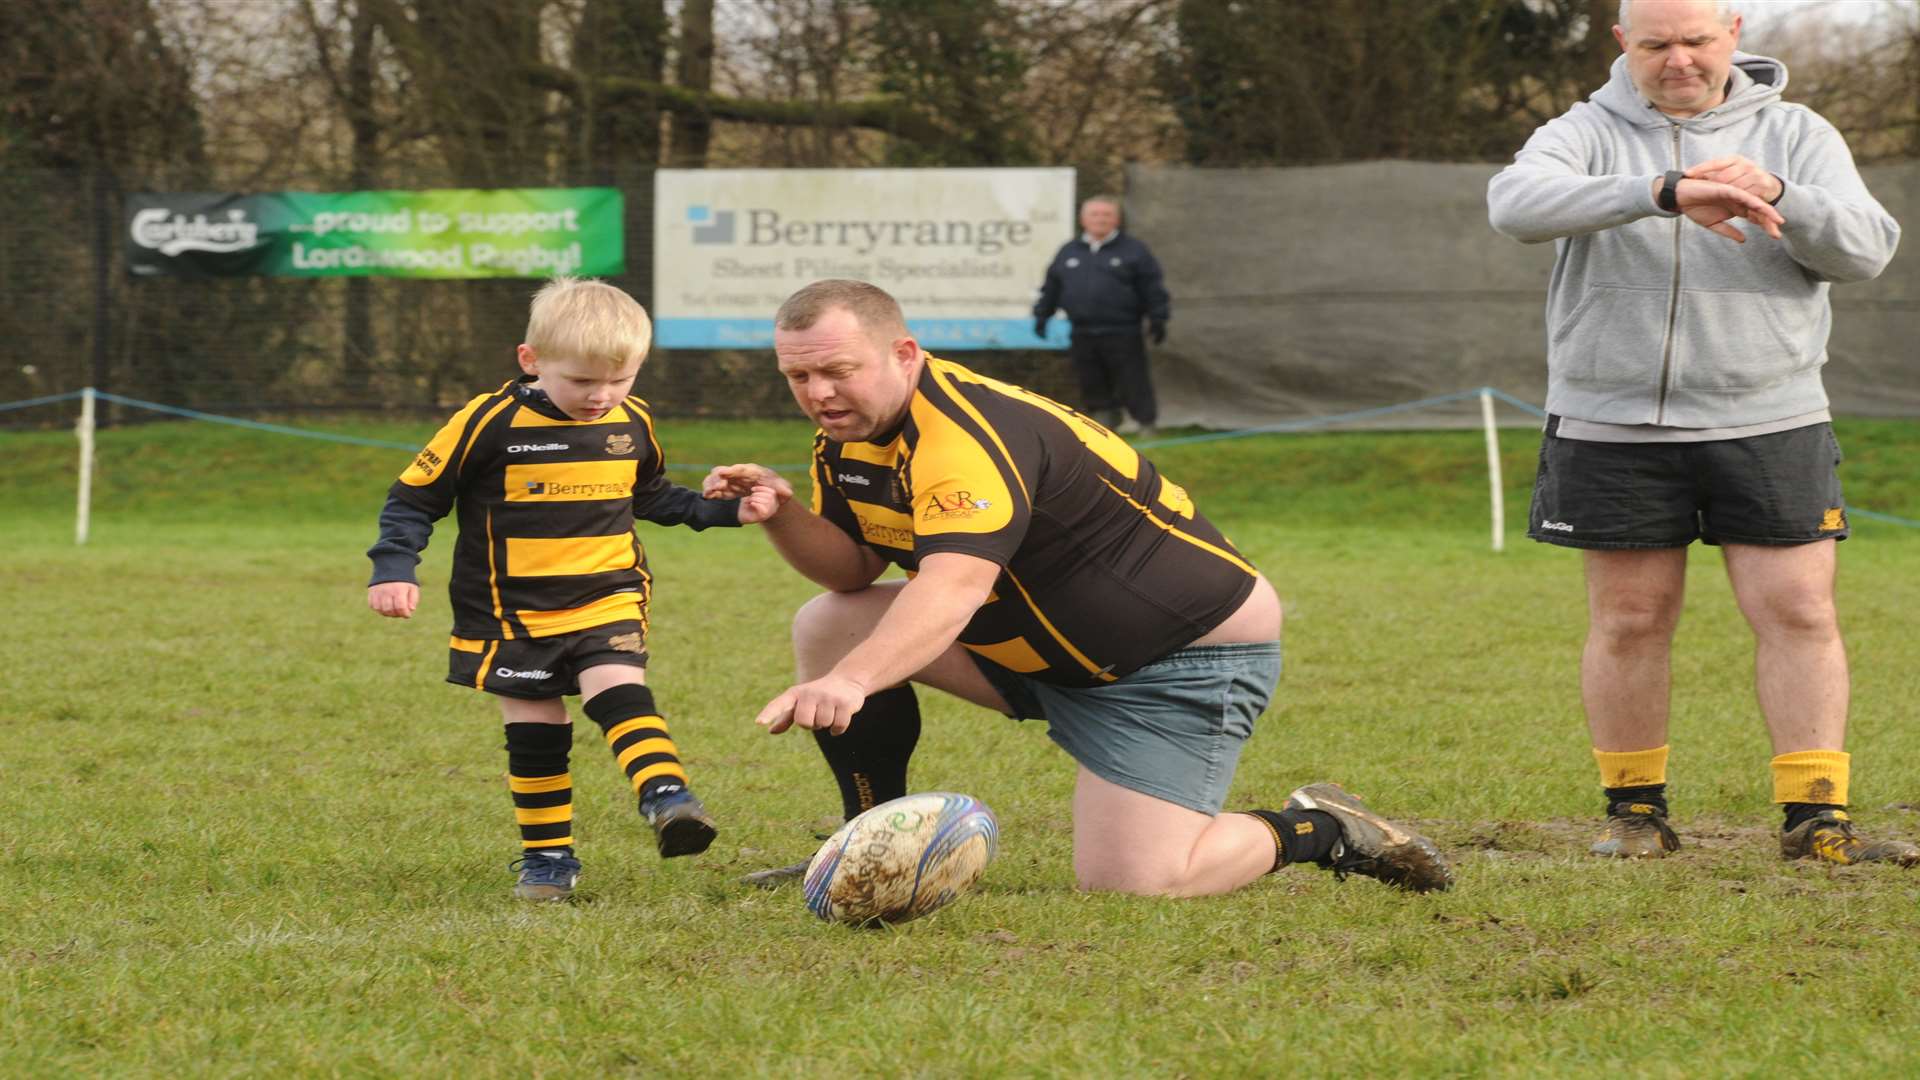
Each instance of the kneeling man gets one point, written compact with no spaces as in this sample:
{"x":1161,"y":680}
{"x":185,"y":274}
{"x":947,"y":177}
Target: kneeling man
{"x":1053,"y":574}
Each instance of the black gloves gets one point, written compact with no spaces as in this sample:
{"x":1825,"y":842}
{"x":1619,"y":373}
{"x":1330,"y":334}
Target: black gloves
{"x":1040,"y":328}
{"x":1157,"y":330}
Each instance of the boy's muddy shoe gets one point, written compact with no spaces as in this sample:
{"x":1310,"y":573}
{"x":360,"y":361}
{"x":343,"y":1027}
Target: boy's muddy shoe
{"x":1372,"y":846}
{"x":679,"y":822}
{"x":1828,"y":837}
{"x":1636,"y":831}
{"x":546,"y":875}
{"x":774,"y":877}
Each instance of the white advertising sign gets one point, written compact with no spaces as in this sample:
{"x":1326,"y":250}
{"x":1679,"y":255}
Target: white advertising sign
{"x":963,"y":250}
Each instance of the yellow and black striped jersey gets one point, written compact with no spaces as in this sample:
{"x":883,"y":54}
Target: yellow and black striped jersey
{"x":1106,"y":564}
{"x":546,"y":506}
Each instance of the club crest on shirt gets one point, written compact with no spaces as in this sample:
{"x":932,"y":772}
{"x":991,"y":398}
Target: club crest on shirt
{"x":620,"y":444}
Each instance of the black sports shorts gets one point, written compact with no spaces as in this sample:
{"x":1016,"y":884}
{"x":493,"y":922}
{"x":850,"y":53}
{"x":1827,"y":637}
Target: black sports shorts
{"x":1777,"y":489}
{"x":544,"y":667}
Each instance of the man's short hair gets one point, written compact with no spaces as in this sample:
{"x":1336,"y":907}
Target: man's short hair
{"x":1722,"y":9}
{"x":589,"y":321}
{"x":877,"y":311}
{"x":1110,"y":200}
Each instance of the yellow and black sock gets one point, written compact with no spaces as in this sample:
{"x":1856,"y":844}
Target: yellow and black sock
{"x":1807,"y":782}
{"x":869,"y":759}
{"x":1299,"y":835}
{"x":1634,"y":778}
{"x":637,"y":735}
{"x":541,"y":786}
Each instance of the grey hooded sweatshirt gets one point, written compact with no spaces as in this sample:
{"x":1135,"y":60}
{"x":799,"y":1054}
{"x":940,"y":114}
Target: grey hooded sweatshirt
{"x":1652,"y":319}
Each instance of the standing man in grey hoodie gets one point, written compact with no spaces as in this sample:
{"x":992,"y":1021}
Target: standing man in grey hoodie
{"x":1684,"y":397}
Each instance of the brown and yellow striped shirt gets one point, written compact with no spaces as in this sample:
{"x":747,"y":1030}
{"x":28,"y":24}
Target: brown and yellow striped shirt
{"x":546,"y":506}
{"x":1106,"y":564}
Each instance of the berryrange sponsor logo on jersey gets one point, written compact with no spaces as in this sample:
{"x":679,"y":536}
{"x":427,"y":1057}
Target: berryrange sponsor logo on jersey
{"x":452,"y":233}
{"x":962,"y":249}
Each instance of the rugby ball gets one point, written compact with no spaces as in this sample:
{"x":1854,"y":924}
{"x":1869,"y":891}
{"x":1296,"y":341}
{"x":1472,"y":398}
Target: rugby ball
{"x":902,"y":859}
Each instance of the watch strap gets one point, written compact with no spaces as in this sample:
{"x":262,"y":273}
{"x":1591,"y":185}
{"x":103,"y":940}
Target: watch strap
{"x":1669,"y":198}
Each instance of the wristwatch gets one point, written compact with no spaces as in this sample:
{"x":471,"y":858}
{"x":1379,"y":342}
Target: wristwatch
{"x":1669,"y":197}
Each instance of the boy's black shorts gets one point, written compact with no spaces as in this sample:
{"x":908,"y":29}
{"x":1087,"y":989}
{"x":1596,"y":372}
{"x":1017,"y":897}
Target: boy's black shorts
{"x":544,"y":667}
{"x":1776,"y":489}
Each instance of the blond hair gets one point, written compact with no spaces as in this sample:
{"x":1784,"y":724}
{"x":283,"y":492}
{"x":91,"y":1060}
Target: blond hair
{"x":874,"y":308}
{"x":589,"y":321}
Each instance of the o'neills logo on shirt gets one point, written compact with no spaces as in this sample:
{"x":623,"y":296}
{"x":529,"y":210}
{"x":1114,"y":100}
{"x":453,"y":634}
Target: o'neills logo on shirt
{"x":955,"y":504}
{"x":162,"y":230}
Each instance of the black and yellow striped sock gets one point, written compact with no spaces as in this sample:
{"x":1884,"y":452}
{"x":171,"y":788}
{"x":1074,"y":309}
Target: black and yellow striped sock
{"x":541,"y":785}
{"x":637,"y":735}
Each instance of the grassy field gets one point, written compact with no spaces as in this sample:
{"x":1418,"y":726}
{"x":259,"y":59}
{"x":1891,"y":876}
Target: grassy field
{"x":246,"y":830}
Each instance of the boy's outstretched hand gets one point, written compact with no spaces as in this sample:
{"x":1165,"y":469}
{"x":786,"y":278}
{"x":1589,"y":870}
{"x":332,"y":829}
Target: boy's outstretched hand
{"x":397,"y":599}
{"x":738,"y":482}
{"x":760,"y":503}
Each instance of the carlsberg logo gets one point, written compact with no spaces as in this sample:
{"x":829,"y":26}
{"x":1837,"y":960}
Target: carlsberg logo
{"x":170,"y":233}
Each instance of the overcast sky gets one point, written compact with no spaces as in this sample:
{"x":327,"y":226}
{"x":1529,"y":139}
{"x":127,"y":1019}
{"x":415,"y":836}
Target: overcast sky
{"x":1767,"y":16}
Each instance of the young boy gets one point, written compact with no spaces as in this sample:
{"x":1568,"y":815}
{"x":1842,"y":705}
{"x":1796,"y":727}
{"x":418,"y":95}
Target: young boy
{"x":550,"y":585}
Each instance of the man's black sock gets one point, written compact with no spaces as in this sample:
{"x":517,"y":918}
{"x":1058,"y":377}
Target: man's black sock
{"x":1799,"y":812}
{"x":1620,"y":800}
{"x":1300,"y":835}
{"x":869,"y":759}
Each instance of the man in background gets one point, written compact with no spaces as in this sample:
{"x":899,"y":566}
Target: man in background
{"x":1109,"y":284}
{"x":1685,"y":401}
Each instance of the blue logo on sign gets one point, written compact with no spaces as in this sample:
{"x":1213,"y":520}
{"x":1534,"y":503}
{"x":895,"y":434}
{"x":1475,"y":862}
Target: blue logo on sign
{"x":711,"y":226}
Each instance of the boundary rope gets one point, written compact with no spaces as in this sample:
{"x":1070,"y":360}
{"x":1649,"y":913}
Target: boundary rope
{"x":1303,"y":424}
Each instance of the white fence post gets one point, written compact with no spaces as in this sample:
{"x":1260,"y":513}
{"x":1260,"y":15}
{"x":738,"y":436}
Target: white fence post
{"x":1493,"y":470}
{"x":84,"y":429}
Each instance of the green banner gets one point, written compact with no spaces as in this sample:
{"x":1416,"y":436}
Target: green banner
{"x":456,"y":233}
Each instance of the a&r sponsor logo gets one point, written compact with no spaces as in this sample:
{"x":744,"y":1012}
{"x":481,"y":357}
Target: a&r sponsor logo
{"x":711,"y":226}
{"x":953,"y":504}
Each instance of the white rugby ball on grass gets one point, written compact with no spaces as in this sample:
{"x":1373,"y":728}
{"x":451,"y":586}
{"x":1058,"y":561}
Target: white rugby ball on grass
{"x":902,"y":859}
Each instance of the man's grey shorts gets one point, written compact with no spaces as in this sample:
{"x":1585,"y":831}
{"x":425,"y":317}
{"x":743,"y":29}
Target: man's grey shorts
{"x":1172,"y":729}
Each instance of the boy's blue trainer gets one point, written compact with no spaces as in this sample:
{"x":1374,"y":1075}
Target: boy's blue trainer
{"x":546,"y":874}
{"x":679,"y":822}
